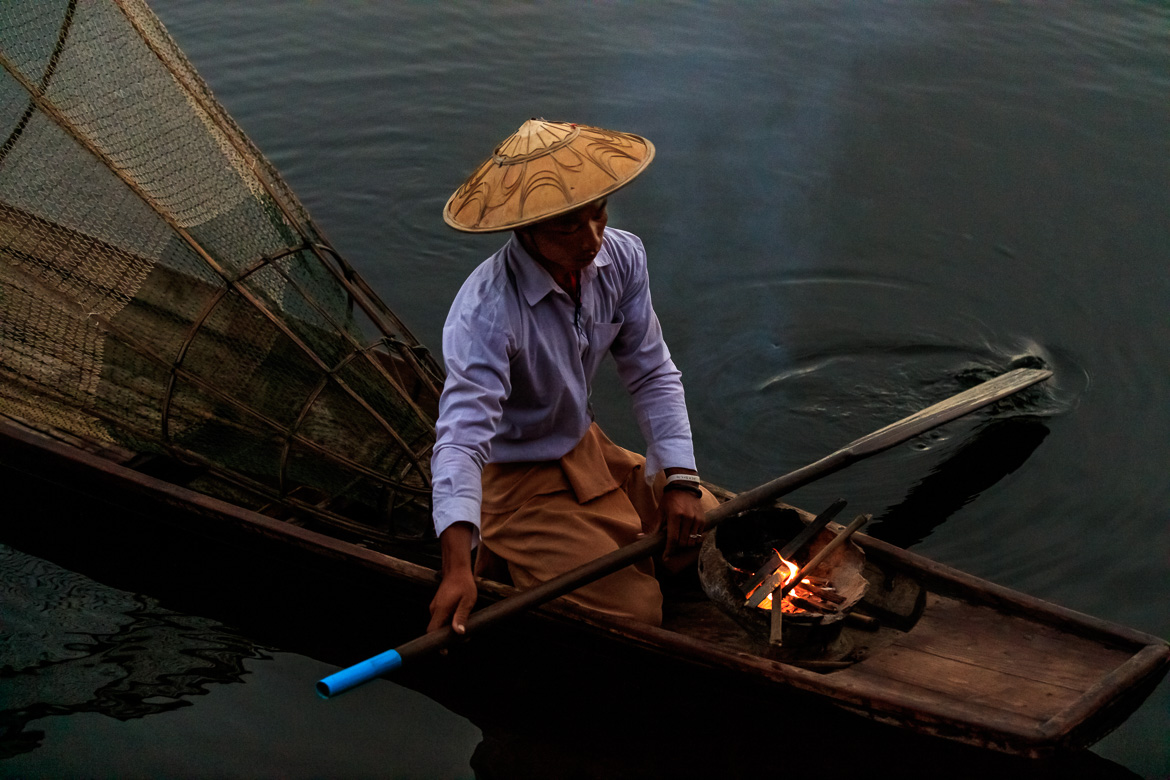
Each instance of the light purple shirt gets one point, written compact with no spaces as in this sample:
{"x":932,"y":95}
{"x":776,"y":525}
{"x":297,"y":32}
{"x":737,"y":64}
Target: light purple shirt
{"x":521,"y":361}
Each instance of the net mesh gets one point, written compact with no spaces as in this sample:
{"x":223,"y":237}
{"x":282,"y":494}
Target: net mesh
{"x":162,"y":289}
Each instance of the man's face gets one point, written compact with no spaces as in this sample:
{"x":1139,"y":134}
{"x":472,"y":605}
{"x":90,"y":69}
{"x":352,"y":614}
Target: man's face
{"x":571,"y":241}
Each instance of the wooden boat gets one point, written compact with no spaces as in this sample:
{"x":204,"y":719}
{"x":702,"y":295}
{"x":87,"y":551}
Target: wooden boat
{"x":979,"y":663}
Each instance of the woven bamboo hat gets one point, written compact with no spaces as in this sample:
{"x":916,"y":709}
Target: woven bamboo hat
{"x":542,"y":170}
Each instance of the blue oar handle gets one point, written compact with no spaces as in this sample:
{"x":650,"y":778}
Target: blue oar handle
{"x":387,"y":662}
{"x":340,"y":682}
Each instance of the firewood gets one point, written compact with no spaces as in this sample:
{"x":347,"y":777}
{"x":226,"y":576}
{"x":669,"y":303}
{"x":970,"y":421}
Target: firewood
{"x":864,"y":622}
{"x":813,"y":606}
{"x":836,"y":542}
{"x":824,"y":594}
{"x":776,"y":638}
{"x":766,"y":574}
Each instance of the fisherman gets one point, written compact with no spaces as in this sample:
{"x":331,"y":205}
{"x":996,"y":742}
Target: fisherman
{"x":519,"y":465}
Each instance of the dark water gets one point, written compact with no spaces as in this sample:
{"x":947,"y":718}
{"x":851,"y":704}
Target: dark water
{"x":854,"y":208}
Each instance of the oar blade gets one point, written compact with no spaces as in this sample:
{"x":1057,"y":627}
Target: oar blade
{"x":956,"y":406}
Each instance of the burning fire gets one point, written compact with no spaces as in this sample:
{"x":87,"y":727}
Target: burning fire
{"x":791,"y":570}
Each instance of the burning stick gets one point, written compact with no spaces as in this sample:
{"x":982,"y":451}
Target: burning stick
{"x":788,"y":579}
{"x":774,"y":580}
{"x":757,"y":587}
{"x":776,"y":636}
{"x":826,"y":594}
{"x":836,"y":542}
{"x":813,"y":605}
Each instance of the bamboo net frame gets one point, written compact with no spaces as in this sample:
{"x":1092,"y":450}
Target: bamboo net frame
{"x":163,"y":290}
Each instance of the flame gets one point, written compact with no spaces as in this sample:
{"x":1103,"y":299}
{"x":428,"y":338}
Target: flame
{"x":792,"y":569}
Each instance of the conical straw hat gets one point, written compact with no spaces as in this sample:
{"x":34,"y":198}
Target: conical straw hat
{"x":545,"y":169}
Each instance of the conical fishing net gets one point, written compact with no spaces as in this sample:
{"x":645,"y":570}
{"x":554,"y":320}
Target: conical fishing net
{"x":162,"y":290}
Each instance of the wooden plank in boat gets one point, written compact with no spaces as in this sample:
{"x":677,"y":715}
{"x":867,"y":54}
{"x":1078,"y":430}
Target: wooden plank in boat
{"x":917,"y":698}
{"x":1015,"y":646}
{"x":968,"y":685}
{"x":990,"y":672}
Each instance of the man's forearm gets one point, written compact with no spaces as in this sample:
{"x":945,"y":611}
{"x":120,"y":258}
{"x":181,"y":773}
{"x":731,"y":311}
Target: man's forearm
{"x":456,"y":542}
{"x":457,"y":592}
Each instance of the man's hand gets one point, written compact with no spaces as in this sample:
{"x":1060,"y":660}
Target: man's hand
{"x":457,"y":592}
{"x":453,"y":601}
{"x":685,"y":520}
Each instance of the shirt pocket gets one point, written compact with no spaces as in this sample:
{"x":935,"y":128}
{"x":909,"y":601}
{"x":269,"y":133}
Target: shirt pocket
{"x":600,"y":340}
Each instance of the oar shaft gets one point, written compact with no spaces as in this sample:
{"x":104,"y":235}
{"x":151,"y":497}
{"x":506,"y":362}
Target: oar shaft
{"x":907,"y":428}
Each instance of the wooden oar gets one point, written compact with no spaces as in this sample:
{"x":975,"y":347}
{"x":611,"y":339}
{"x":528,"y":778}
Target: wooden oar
{"x":907,"y":428}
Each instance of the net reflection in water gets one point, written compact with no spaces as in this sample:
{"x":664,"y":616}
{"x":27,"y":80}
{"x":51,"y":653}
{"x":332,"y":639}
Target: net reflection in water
{"x":73,"y":645}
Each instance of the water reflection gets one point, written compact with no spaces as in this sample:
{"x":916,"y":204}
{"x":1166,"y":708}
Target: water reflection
{"x":73,"y":645}
{"x":987,"y":456}
{"x":695,"y":750}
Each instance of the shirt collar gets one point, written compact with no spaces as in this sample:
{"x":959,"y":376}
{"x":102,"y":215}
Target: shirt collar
{"x":535,"y":282}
